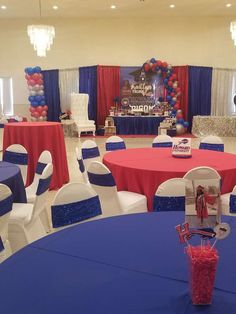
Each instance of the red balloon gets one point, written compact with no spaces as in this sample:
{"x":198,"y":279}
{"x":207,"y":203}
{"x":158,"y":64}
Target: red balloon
{"x":40,"y":75}
{"x":146,"y":67}
{"x":159,"y":63}
{"x":45,"y":107}
{"x":170,"y":83}
{"x":174,"y":76}
{"x":179,"y":116}
{"x":27,"y":76}
{"x":40,"y":81}
{"x":32,"y":109}
{"x":39,"y":109}
{"x":35,"y":76}
{"x":164,"y":64}
{"x":44,"y":113}
{"x":31,"y":82}
{"x":177,"y":106}
{"x":177,"y":89}
{"x":172,"y":95}
{"x":36,"y":114}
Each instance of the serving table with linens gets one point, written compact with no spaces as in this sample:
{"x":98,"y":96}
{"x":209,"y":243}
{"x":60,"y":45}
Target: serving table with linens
{"x":142,"y":170}
{"x":37,"y":137}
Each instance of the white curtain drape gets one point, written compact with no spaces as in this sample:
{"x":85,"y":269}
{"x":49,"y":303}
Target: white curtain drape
{"x":68,"y":83}
{"x":221,"y":92}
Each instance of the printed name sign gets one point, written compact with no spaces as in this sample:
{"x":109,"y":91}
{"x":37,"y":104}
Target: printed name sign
{"x":181,"y":148}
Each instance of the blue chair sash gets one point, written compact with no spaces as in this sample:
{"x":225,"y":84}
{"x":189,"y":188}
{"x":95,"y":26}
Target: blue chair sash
{"x":232,"y":203}
{"x":101,"y":179}
{"x":210,"y":146}
{"x":90,"y":152}
{"x":6,"y":205}
{"x":166,"y":203}
{"x":43,"y":185}
{"x":81,"y":165}
{"x":115,"y":146}
{"x":67,"y":214}
{"x":164,"y":144}
{"x":40,"y":167}
{"x":15,"y":158}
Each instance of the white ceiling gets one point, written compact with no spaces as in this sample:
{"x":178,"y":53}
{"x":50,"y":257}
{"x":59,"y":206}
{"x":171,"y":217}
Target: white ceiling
{"x":125,"y":8}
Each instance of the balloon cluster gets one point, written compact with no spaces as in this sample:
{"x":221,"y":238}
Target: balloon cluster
{"x":38,"y":108}
{"x":171,"y":85}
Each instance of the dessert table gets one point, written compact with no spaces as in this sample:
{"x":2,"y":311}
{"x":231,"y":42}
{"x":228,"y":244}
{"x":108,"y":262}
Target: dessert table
{"x":142,"y":170}
{"x":137,"y":124}
{"x":125,"y":264}
{"x":10,"y":175}
{"x":37,"y":137}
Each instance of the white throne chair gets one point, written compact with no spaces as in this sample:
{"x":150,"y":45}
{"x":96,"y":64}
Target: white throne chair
{"x":79,"y":112}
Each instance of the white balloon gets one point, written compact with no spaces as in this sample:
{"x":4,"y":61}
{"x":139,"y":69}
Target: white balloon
{"x":32,"y":93}
{"x":40,"y":92}
{"x":30,"y":87}
{"x":41,"y":86}
{"x":45,"y":118}
{"x":33,"y":119}
{"x":169,"y":66}
{"x":179,"y":129}
{"x":41,"y":118}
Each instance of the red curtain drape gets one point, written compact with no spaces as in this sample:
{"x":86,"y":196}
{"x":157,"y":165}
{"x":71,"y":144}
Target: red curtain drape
{"x":108,"y":88}
{"x":182,"y":77}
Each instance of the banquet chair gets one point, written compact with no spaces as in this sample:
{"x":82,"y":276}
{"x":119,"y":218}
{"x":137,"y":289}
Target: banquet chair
{"x":90,"y":152}
{"x":74,"y":203}
{"x":81,"y":165}
{"x":17,"y":154}
{"x":113,"y":202}
{"x":162,"y":140}
{"x":79,"y":113}
{"x":209,"y":179}
{"x":114,"y":143}
{"x":5,"y":211}
{"x":228,"y":202}
{"x":45,"y":158}
{"x":25,"y":225}
{"x":170,"y":195}
{"x":212,"y":142}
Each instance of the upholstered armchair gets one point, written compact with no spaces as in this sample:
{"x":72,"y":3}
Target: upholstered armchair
{"x":79,"y":112}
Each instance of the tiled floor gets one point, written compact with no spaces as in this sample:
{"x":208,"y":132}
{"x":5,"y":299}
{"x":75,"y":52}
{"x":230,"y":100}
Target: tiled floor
{"x":134,"y":142}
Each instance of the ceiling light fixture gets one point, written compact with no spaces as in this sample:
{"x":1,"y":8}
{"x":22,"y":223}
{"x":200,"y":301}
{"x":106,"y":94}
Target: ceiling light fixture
{"x":228,"y":5}
{"x":55,"y":7}
{"x":41,"y":36}
{"x":172,"y":6}
{"x":3,"y":7}
{"x":113,"y":6}
{"x":233,"y":31}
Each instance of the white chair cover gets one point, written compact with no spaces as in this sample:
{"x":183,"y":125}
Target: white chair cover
{"x":113,"y":202}
{"x":5,"y":211}
{"x":74,"y":203}
{"x":25,"y":225}
{"x":228,"y":202}
{"x":162,"y":140}
{"x":115,"y":143}
{"x":89,"y":152}
{"x":17,"y":154}
{"x":212,"y":142}
{"x":79,"y":112}
{"x":81,"y":165}
{"x":170,"y":195}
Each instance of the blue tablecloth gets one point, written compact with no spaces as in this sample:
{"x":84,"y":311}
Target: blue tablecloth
{"x":120,"y":265}
{"x":10,"y":175}
{"x":137,"y":125}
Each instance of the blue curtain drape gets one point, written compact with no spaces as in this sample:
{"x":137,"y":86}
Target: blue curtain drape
{"x":199,"y":93}
{"x":52,"y":94}
{"x":88,"y":85}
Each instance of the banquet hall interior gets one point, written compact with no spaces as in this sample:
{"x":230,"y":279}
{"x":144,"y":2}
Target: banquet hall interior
{"x":117,"y":141}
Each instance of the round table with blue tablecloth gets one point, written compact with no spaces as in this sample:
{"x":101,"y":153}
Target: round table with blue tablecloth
{"x":10,"y":175}
{"x":124,"y":264}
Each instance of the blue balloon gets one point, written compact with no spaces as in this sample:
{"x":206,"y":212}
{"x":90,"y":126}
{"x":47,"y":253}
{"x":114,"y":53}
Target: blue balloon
{"x":180,"y":121}
{"x":30,"y":71}
{"x":172,"y":102}
{"x":38,"y":98}
{"x":37,"y":69}
{"x":42,"y":97}
{"x":153,"y":60}
{"x":31,"y":98}
{"x":186,"y":124}
{"x":161,"y":99}
{"x":34,"y":103}
{"x":168,"y":97}
{"x":42,"y":103}
{"x":165,"y":81}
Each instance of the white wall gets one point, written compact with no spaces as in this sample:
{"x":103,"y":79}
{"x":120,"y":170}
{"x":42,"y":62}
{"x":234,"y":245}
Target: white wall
{"x":81,"y":42}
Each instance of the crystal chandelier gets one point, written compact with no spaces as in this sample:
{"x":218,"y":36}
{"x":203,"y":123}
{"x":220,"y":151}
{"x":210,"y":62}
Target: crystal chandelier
{"x":233,"y":31}
{"x":41,"y":36}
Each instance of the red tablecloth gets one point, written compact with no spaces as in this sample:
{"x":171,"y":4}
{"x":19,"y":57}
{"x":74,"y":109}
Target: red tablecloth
{"x":36,"y":137}
{"x":142,"y":170}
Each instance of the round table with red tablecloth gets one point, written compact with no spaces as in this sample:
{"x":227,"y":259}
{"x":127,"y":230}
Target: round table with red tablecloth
{"x":37,"y":137}
{"x":142,"y":170}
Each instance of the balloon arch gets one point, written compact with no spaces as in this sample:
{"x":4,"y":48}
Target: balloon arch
{"x":38,"y":108}
{"x":170,"y":81}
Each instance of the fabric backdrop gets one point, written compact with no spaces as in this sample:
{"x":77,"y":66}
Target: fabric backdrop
{"x":108,"y":86}
{"x":88,"y":85}
{"x":199,"y":92}
{"x":52,"y":94}
{"x":68,"y":83}
{"x":182,"y":77}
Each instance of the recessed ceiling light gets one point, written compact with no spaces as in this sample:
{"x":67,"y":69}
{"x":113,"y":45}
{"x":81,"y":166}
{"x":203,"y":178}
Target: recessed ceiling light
{"x":55,"y":7}
{"x":113,"y":6}
{"x":172,"y":6}
{"x":3,"y":7}
{"x":228,"y":5}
